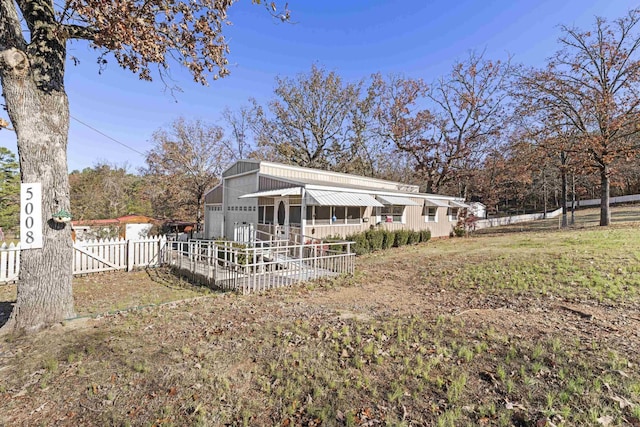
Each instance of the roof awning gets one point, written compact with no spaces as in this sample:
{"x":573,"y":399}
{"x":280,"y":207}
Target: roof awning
{"x":436,"y":203}
{"x":455,"y":204}
{"x":292,"y":191}
{"x":339,"y":198}
{"x":396,"y":200}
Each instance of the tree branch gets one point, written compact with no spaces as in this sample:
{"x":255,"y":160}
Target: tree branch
{"x":10,"y":31}
{"x":79,"y":32}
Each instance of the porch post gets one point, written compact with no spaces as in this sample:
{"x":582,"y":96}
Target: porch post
{"x":303,"y":220}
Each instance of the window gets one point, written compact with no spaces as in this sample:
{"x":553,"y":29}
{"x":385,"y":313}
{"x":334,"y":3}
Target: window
{"x":354,"y":214}
{"x":392,"y":213}
{"x":430,"y":213}
{"x":295,"y":215}
{"x":323,"y":215}
{"x":268,"y":214}
{"x":453,"y":214}
{"x":265,"y":214}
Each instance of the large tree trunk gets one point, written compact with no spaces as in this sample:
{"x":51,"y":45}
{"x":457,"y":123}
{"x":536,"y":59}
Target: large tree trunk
{"x":40,"y":115}
{"x":605,"y":213}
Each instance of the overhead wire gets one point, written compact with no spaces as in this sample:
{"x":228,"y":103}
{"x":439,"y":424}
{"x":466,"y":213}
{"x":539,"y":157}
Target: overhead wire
{"x":107,"y":136}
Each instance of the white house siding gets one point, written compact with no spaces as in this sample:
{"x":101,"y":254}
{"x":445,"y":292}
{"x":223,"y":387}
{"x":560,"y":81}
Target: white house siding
{"x":137,"y":231}
{"x":274,"y":184}
{"x":238,"y":211}
{"x":294,"y":173}
{"x":214,"y":221}
{"x":241,"y":167}
{"x":251,"y":176}
{"x":214,"y":196}
{"x":413,"y":220}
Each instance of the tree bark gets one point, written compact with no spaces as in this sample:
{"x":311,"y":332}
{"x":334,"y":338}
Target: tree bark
{"x":40,"y":115}
{"x":605,"y":213}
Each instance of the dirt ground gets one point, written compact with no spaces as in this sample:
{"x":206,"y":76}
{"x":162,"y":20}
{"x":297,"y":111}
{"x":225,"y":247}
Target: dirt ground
{"x":232,"y":335}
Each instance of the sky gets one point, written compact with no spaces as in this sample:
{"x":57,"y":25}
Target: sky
{"x":355,"y":38}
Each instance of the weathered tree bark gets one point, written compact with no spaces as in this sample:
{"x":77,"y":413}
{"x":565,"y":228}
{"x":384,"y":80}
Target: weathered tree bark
{"x":38,"y":107}
{"x":605,"y":213}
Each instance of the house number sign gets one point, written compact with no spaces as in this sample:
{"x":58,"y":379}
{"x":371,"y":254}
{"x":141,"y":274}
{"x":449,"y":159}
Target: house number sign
{"x":30,"y":215}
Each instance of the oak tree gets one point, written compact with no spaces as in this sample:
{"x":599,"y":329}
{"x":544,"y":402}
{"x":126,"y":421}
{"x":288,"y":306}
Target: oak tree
{"x":593,"y":82}
{"x":186,"y":160}
{"x":446,"y":128}
{"x":141,"y":36}
{"x":307,"y":122}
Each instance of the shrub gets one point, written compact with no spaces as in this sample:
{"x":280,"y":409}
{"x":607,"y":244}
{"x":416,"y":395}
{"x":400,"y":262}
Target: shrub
{"x":360,"y":245}
{"x":238,"y":256}
{"x":459,"y":231}
{"x":335,"y":244}
{"x":375,"y":238}
{"x":401,"y":238}
{"x":414,"y":237}
{"x":425,"y":235}
{"x":389,"y":239}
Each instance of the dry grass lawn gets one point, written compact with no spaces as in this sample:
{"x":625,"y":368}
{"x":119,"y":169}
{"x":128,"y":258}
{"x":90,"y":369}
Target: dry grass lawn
{"x":537,"y":328}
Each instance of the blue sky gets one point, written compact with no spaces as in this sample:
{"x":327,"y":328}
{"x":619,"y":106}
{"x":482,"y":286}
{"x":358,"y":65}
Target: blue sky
{"x":418,"y":38}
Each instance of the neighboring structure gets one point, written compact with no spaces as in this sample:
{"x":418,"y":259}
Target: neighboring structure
{"x":479,"y":210}
{"x":131,"y":227}
{"x":300,"y":204}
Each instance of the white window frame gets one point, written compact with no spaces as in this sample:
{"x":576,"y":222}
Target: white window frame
{"x":431,"y":218}
{"x":384,"y":216}
{"x":450,"y":214}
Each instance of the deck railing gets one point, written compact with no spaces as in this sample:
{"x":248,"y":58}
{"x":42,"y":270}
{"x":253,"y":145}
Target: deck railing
{"x":262,"y":266}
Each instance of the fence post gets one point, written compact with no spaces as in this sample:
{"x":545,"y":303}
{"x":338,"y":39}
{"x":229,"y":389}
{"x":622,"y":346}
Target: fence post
{"x":129,"y":255}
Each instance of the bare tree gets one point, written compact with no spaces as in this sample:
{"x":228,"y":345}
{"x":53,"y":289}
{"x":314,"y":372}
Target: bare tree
{"x":187,"y":159}
{"x":446,"y":128}
{"x":308,"y":121}
{"x":239,"y":142}
{"x":592,"y":81}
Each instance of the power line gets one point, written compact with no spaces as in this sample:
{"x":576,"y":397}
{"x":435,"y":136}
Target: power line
{"x":107,"y":136}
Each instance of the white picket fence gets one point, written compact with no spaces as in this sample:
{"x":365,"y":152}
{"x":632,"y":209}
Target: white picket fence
{"x":94,"y":256}
{"x":612,"y":201}
{"x":515,"y":219}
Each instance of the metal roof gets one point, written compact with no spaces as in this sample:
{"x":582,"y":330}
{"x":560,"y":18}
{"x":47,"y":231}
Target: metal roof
{"x":293,"y":191}
{"x":339,"y":198}
{"x":436,"y":202}
{"x":396,"y":200}
{"x":456,"y":204}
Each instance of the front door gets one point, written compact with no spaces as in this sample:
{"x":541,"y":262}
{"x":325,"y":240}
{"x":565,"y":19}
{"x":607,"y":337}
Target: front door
{"x":282,"y":218}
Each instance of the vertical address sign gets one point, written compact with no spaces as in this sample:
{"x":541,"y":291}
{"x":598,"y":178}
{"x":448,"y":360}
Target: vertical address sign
{"x":30,"y":215}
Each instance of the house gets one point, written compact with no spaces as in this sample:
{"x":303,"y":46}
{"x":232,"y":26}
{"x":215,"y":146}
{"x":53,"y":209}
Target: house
{"x":300,"y":204}
{"x":131,"y":227}
{"x":477,"y":209}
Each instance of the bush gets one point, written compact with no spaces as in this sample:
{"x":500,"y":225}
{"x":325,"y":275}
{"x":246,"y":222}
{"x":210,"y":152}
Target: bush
{"x":335,"y":244}
{"x":389,"y":239}
{"x":425,"y":235}
{"x":459,"y":231}
{"x":402,"y":236}
{"x":236,"y":257}
{"x":375,"y":238}
{"x":360,"y":245}
{"x":414,"y":237}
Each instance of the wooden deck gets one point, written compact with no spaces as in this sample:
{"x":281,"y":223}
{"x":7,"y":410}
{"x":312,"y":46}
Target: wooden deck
{"x":254,"y":269}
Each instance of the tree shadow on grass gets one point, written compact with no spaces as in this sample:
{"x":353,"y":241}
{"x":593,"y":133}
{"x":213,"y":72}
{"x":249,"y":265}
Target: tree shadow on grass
{"x":6,"y":307}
